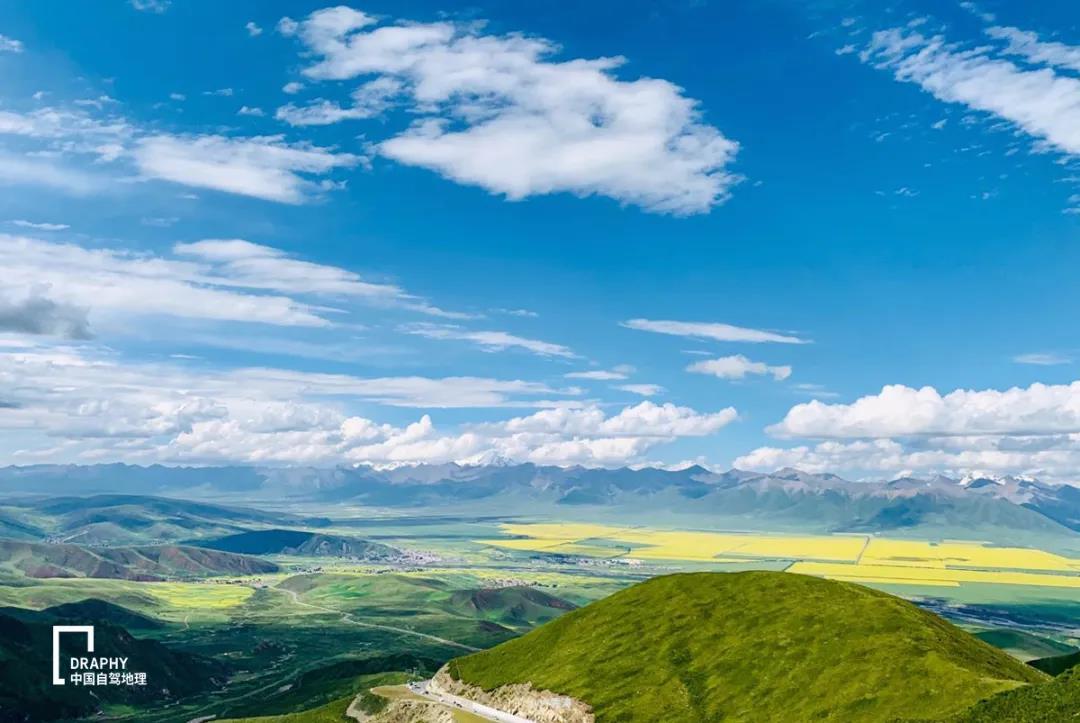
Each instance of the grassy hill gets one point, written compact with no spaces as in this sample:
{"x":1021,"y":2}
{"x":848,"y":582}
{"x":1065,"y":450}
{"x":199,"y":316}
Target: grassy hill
{"x":298,"y":542}
{"x":753,"y":646}
{"x":1056,"y":701}
{"x":132,"y":519}
{"x":37,"y":560}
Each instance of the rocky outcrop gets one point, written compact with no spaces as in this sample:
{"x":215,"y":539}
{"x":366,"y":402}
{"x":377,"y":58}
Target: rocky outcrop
{"x":540,"y":706}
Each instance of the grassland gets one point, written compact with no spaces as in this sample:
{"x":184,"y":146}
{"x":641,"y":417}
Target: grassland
{"x":752,"y":646}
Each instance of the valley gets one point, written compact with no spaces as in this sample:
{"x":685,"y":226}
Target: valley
{"x":322,"y":601}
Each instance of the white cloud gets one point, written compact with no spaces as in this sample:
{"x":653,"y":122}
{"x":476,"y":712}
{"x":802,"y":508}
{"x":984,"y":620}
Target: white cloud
{"x":623,"y":371}
{"x":903,"y":411}
{"x":1042,"y":359}
{"x":369,"y":100}
{"x":1044,"y":104}
{"x":264,"y":167}
{"x":151,"y":6}
{"x":253,"y":30}
{"x":10,"y":45}
{"x":220,"y":92}
{"x":500,"y":113}
{"x":738,"y":367}
{"x":1028,"y":46}
{"x":644,"y":390}
{"x":712,"y":330}
{"x":22,"y":171}
{"x":488,"y":340}
{"x":41,"y":226}
{"x":1033,"y":430}
{"x":292,"y":87}
{"x":877,"y":458}
{"x":250,"y":111}
{"x":177,"y":96}
{"x":213,"y":280}
{"x":101,"y":409}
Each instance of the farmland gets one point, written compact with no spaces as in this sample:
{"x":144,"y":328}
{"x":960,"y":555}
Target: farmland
{"x":862,"y":558}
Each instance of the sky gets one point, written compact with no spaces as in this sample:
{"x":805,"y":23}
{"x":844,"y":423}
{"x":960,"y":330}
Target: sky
{"x":838,"y":235}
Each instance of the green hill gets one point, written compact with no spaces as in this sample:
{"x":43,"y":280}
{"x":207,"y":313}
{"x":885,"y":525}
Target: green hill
{"x":752,"y":646}
{"x":1056,"y":701}
{"x":513,"y":606}
{"x":151,"y":563}
{"x":299,"y":542}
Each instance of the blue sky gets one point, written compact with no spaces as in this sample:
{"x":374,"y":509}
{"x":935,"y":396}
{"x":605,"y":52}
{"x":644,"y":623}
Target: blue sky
{"x":735,"y":233}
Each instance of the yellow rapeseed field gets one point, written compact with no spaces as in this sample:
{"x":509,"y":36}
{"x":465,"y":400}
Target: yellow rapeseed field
{"x":851,"y":557}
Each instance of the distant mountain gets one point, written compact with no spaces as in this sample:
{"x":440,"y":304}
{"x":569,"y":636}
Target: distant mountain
{"x":787,"y":497}
{"x":299,"y":542}
{"x":42,"y":560}
{"x":758,"y":646}
{"x":25,"y":659}
{"x":130,"y":519}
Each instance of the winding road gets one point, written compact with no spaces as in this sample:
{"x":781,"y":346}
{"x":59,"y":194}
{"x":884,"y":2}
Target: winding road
{"x":347,"y":617}
{"x":425,"y":690}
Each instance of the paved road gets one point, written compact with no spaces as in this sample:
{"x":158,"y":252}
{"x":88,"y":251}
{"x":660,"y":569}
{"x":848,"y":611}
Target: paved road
{"x":424,"y":689}
{"x":347,"y":617}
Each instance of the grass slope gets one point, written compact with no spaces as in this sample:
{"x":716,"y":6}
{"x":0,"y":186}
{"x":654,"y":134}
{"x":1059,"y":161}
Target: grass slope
{"x":39,"y":560}
{"x":752,"y":646}
{"x":1056,"y":701}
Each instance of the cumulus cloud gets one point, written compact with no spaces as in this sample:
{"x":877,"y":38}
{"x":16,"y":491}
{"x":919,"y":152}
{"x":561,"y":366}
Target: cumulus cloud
{"x":1031,"y":430}
{"x":253,"y":30}
{"x":899,"y":410}
{"x":1041,"y":102}
{"x":217,"y":280}
{"x":738,"y":367}
{"x":712,"y":330}
{"x":488,"y":340}
{"x":264,"y":167}
{"x":170,"y":412}
{"x":292,"y":87}
{"x":500,"y":112}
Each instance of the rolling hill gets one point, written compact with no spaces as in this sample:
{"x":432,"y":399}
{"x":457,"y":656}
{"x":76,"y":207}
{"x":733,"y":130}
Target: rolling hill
{"x":131,"y":519}
{"x":754,"y":646}
{"x":148,"y":564}
{"x":298,"y":542}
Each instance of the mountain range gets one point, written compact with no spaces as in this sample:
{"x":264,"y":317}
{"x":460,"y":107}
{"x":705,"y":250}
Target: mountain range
{"x":695,"y":495}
